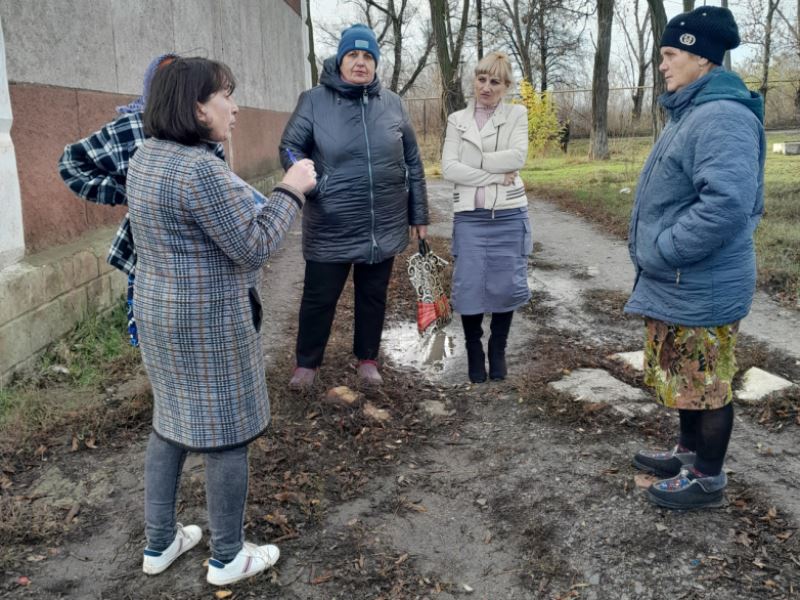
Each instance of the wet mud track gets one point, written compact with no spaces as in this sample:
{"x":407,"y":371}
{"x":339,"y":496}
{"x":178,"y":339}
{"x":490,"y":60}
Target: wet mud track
{"x":503,"y":491}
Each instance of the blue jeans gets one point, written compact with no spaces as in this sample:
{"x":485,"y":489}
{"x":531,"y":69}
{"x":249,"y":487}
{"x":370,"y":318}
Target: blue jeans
{"x":226,"y":494}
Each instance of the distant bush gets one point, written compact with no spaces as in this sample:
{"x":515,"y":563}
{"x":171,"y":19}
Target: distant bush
{"x":543,"y":125}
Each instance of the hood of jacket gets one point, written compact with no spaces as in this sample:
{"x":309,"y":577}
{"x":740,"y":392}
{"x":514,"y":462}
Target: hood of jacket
{"x":718,"y":84}
{"x":332,"y":79}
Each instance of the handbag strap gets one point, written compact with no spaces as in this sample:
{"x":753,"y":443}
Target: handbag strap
{"x":424,"y":248}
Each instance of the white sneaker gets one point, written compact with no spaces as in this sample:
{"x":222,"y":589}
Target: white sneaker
{"x":186,"y":538}
{"x":250,"y":561}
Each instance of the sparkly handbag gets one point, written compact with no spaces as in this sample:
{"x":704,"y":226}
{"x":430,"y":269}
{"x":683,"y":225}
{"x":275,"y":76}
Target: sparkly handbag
{"x":426,"y":272}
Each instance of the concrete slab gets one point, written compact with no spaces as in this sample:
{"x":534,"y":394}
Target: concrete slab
{"x":597,"y":385}
{"x":634,"y":360}
{"x":792,"y":148}
{"x":757,"y":383}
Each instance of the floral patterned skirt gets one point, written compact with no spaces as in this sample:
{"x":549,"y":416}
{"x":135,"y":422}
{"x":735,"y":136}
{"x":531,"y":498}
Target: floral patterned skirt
{"x":690,"y":367}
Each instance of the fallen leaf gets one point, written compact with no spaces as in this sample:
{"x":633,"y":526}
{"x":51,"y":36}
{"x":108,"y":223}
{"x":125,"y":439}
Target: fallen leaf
{"x":759,"y":563}
{"x":784,"y":535}
{"x":467,"y":588}
{"x":610,"y":471}
{"x":223,"y":594}
{"x":35,"y":557}
{"x":378,"y":414}
{"x":322,"y":578}
{"x":90,"y":443}
{"x":403,"y":558}
{"x":40,"y":451}
{"x":75,"y":444}
{"x":342,"y":395}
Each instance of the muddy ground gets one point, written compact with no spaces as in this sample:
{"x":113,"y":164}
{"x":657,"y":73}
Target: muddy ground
{"x":497,"y":491}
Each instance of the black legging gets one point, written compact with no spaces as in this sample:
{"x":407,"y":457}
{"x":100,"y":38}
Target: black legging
{"x":707,"y":432}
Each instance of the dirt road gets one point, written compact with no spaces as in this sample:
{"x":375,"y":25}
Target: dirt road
{"x":500,"y":491}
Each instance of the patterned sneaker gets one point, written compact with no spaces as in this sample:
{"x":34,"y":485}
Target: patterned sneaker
{"x":689,"y":489}
{"x":664,"y":464}
{"x":250,"y":560}
{"x":186,"y":538}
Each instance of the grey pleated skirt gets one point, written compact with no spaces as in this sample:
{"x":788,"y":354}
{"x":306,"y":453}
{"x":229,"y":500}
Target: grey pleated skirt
{"x":491,"y":260}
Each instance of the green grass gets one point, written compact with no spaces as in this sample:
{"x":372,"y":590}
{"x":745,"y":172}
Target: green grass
{"x":91,"y":355}
{"x":603,"y":191}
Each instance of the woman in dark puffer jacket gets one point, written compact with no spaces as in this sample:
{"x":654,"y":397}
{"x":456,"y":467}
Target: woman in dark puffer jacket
{"x":370,"y":198}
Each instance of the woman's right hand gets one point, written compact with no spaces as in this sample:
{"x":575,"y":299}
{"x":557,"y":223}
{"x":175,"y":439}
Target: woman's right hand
{"x":301,"y":175}
{"x":510,"y":177}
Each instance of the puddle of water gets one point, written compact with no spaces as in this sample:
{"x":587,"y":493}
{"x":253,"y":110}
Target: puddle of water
{"x":429,"y":353}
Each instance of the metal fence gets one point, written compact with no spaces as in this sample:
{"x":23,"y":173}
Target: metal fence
{"x":574,"y":105}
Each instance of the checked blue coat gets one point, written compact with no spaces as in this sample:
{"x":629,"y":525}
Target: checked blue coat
{"x":95,"y":169}
{"x":201,"y":241}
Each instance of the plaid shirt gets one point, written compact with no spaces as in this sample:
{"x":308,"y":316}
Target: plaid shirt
{"x":95,"y":169}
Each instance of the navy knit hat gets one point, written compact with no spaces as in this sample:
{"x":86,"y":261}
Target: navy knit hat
{"x":707,"y":31}
{"x":358,"y":37}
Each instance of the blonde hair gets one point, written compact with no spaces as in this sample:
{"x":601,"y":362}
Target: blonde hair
{"x":496,"y":64}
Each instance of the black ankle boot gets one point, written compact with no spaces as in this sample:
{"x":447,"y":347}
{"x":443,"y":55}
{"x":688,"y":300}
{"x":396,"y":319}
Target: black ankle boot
{"x":497,"y":358}
{"x":476,"y":362}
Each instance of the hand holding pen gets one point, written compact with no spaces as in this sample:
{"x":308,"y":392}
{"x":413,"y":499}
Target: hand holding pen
{"x":301,"y":174}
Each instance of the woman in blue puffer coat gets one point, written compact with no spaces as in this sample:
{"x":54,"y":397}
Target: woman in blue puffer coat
{"x":699,"y":199}
{"x":370,"y":197}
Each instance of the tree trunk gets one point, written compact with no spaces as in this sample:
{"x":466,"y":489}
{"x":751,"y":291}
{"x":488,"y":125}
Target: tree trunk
{"x":658,"y":21}
{"x":397,"y":32}
{"x":688,"y":5}
{"x":312,"y":57}
{"x":599,"y":134}
{"x":767,"y":56}
{"x":638,"y":95}
{"x":479,"y":18}
{"x":726,"y":62}
{"x":452,"y":94}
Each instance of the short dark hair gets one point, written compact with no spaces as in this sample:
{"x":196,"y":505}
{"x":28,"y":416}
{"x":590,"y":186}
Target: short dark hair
{"x":171,"y":111}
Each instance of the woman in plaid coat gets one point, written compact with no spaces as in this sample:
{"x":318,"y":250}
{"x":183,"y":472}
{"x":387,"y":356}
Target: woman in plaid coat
{"x":201,"y":241}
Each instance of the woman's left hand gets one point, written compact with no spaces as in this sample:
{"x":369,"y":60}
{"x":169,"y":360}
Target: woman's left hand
{"x":418,"y":232}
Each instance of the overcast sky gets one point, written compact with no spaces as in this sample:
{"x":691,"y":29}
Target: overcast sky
{"x":334,"y":11}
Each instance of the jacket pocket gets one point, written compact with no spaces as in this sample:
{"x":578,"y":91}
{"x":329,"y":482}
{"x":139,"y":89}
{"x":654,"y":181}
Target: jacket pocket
{"x":256,"y":311}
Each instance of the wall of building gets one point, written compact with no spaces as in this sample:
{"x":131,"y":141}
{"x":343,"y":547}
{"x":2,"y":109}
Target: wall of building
{"x":68,"y":66}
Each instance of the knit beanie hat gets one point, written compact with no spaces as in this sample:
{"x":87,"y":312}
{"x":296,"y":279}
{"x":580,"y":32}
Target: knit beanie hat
{"x":707,"y":31}
{"x":358,"y":37}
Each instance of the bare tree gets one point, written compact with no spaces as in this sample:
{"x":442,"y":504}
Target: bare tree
{"x":540,"y":34}
{"x":793,"y":30}
{"x":391,"y":20}
{"x":758,"y":30}
{"x":479,"y":25}
{"x":396,"y":16}
{"x":637,"y":40}
{"x":448,"y":52}
{"x":312,"y":57}
{"x":658,"y":22}
{"x":599,"y":134}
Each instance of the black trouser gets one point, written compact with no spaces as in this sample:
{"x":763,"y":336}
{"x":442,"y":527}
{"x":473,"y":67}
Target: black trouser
{"x":321,"y":290}
{"x":707,"y":432}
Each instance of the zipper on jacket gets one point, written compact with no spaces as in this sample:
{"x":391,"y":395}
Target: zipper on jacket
{"x":497,"y":185}
{"x":677,"y":277}
{"x":364,"y":102}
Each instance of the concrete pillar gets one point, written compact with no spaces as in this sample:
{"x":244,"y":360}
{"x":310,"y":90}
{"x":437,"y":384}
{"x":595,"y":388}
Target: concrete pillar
{"x":12,"y":237}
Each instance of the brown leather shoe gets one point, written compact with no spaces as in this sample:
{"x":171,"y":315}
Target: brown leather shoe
{"x":302,"y":378}
{"x":368,"y":372}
